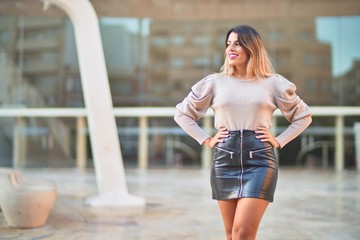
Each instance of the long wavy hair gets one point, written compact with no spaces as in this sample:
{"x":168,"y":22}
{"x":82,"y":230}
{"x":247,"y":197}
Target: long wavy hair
{"x":259,"y":64}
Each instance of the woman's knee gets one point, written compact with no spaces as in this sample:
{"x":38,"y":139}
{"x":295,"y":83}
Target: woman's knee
{"x":228,"y":232}
{"x":243,"y":233}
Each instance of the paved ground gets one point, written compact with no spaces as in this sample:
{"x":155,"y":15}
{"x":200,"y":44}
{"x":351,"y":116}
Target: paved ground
{"x":309,"y":204}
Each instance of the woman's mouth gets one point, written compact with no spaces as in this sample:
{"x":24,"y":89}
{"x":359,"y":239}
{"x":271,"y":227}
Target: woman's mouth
{"x":232,"y":56}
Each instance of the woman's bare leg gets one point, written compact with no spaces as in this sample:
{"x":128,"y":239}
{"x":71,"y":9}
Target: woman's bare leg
{"x":249,"y":212}
{"x":228,"y":209}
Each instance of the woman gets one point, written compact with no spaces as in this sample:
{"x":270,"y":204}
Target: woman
{"x":243,"y":96}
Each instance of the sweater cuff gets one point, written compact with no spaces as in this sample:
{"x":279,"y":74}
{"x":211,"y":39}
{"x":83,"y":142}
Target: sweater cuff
{"x":201,"y":139}
{"x":281,"y":141}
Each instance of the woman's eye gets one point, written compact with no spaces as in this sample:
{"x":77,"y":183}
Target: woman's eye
{"x":236,"y":44}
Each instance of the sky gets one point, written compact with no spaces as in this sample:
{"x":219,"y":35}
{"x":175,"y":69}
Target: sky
{"x":343,"y":33}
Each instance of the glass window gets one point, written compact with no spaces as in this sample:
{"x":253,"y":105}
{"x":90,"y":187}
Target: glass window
{"x":38,"y":58}
{"x":159,"y":88}
{"x":159,"y":66}
{"x":305,"y":35}
{"x":281,"y":57}
{"x":177,"y":63}
{"x":50,"y":57}
{"x":221,"y":40}
{"x":160,"y":41}
{"x":125,"y":88}
{"x":218,"y":59}
{"x":201,"y":61}
{"x":201,"y":40}
{"x":178,"y":40}
{"x":325,"y":86}
{"x":309,"y":58}
{"x":275,"y":35}
{"x":4,"y":35}
{"x":310,"y":84}
{"x":357,"y":89}
{"x":343,"y":35}
{"x":73,"y":84}
{"x":177,"y":85}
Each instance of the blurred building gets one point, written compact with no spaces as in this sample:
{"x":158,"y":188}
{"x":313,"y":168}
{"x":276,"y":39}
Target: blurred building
{"x":33,"y":51}
{"x":183,"y":52}
{"x":159,"y":69}
{"x":155,"y":64}
{"x":300,"y":57}
{"x":124,"y":55}
{"x":349,"y":86}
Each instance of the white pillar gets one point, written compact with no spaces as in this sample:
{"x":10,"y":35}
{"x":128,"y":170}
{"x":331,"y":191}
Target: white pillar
{"x":206,"y":153}
{"x":339,"y":143}
{"x":110,"y":174}
{"x":357,"y":144}
{"x":81,"y":147}
{"x":143,"y":143}
{"x":19,"y":150}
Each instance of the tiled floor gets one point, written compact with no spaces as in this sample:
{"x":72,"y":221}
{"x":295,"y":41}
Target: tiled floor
{"x":309,"y":204}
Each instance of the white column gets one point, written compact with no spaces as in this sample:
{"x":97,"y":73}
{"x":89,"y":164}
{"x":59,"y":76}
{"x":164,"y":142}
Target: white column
{"x":81,"y":147}
{"x":110,"y":174}
{"x":206,"y":153}
{"x":357,"y":144}
{"x":339,"y":143}
{"x":143,"y":143}
{"x":19,"y":150}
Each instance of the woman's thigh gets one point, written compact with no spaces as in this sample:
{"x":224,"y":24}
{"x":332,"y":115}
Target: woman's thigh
{"x":249,"y":212}
{"x":228,"y":209}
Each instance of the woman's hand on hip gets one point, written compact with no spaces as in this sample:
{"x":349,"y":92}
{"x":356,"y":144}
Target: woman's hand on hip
{"x":222,"y":133}
{"x":266,"y":136}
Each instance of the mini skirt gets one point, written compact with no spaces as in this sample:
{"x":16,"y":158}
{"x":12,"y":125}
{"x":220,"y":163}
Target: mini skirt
{"x":243,"y":167}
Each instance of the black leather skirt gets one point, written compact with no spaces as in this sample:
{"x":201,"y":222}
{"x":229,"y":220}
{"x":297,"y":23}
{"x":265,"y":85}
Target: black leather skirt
{"x":243,"y":167}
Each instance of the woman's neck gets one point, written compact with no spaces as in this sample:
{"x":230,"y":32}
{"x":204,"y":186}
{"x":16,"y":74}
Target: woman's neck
{"x":240,"y":73}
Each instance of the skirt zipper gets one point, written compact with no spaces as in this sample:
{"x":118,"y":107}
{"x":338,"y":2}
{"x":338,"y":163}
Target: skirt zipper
{"x":241,"y":163}
{"x":259,"y":150}
{"x":230,"y":152}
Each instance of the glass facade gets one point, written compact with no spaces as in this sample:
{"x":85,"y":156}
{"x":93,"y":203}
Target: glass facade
{"x":154,"y":62}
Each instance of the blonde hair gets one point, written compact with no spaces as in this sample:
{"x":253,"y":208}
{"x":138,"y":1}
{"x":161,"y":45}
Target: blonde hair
{"x":259,"y":64}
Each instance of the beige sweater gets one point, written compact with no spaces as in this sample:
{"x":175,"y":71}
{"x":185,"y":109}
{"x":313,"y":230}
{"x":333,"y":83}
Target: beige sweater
{"x":243,"y":104}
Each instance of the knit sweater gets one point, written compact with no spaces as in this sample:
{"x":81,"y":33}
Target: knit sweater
{"x":243,"y":104}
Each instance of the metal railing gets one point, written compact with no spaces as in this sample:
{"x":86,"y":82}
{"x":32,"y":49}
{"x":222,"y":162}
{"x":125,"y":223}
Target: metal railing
{"x":144,"y":113}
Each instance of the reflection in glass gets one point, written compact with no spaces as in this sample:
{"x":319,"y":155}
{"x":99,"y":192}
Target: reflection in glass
{"x":154,"y":62}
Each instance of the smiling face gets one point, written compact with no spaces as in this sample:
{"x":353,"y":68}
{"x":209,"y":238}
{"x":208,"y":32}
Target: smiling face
{"x":245,"y":54}
{"x":236,"y":54}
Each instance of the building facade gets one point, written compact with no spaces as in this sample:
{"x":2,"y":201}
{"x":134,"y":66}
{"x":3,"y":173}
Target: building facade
{"x":154,"y":54}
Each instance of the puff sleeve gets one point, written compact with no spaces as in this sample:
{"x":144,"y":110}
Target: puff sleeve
{"x":293,"y":109}
{"x":193,"y":107}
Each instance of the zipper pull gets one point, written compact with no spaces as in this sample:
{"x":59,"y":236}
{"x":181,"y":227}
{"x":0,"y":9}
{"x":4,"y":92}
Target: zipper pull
{"x":231,"y":154}
{"x":251,"y":154}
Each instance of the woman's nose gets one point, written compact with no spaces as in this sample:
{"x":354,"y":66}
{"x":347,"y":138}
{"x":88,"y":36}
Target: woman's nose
{"x":231,"y":46}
